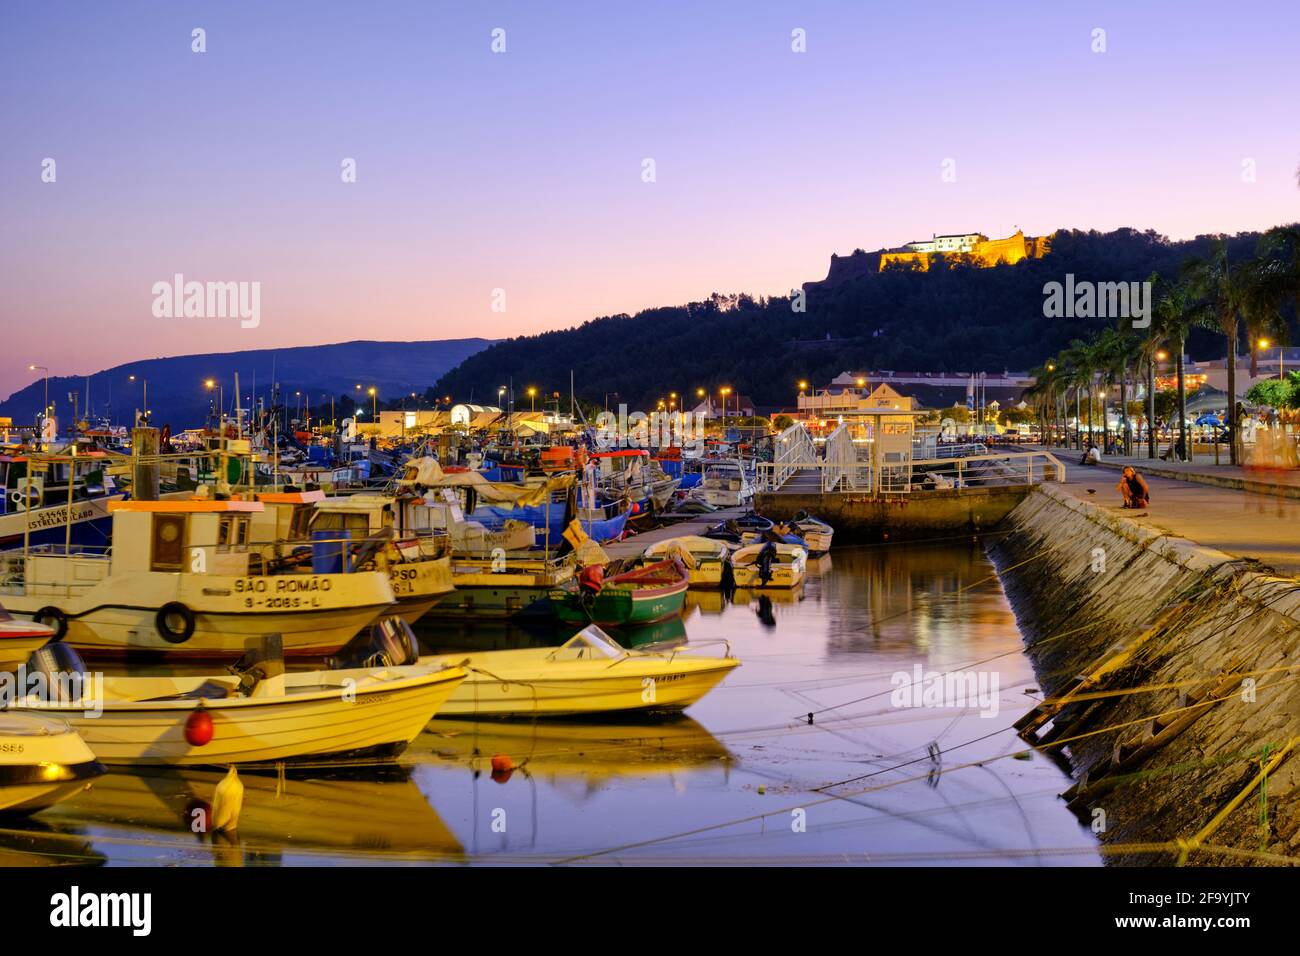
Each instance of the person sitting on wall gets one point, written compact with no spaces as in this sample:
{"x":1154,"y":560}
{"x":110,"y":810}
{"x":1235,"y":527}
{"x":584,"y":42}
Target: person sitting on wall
{"x":1136,"y":492}
{"x":1092,"y":456}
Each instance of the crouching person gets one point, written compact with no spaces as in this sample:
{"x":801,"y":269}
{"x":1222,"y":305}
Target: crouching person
{"x":1134,"y":489}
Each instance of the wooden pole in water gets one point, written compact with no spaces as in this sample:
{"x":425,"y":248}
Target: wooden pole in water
{"x":145,"y":466}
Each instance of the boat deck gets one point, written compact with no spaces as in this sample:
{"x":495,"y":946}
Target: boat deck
{"x":633,"y":546}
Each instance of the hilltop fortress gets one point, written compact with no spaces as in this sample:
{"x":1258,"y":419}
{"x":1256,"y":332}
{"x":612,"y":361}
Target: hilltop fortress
{"x":982,"y":250}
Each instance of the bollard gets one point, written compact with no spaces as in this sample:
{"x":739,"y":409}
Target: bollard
{"x":146,"y":470}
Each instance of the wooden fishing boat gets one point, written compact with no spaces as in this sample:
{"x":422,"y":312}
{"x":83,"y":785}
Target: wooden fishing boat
{"x":588,"y":674}
{"x":508,"y":586}
{"x":183,"y":578}
{"x":640,"y":596}
{"x":201,"y":720}
{"x":769,"y":565}
{"x":816,"y":534}
{"x":705,"y":559}
{"x":42,"y":761}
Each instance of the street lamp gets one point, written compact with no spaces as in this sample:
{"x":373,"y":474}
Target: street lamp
{"x":532,"y":395}
{"x":144,"y":398}
{"x":210,"y":384}
{"x":42,"y":368}
{"x":724,"y":392}
{"x":1263,"y":346}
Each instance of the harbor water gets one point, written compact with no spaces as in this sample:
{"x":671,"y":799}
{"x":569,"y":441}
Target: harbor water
{"x":833,"y":743}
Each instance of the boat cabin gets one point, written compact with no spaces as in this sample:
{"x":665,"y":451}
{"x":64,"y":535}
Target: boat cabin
{"x":194,"y":536}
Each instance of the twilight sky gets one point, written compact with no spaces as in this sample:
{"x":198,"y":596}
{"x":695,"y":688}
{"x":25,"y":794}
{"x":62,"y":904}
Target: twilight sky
{"x":523,"y":170}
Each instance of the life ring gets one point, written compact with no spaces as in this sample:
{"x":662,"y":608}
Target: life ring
{"x":25,"y":501}
{"x":53,"y":618}
{"x":169,"y":615}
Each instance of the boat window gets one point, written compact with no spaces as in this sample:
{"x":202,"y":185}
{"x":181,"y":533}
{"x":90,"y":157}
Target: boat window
{"x":232,"y":530}
{"x":589,"y":643}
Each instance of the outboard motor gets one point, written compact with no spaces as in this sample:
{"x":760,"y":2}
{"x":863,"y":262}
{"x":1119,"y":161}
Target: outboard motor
{"x":766,"y":557}
{"x":62,"y":672}
{"x":389,"y":642}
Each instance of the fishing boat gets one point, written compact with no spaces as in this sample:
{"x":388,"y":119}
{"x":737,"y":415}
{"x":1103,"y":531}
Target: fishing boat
{"x":769,"y":564}
{"x":816,"y":534}
{"x":183,"y":578}
{"x":503,"y":587}
{"x":56,"y":499}
{"x":417,"y":562}
{"x":42,"y":761}
{"x":588,"y":674}
{"x":726,"y":485}
{"x":640,"y":596}
{"x":746,"y":529}
{"x":705,"y":559}
{"x":221,"y":719}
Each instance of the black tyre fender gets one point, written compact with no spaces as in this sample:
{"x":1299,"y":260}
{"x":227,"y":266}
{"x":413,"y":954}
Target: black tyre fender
{"x":165,"y":622}
{"x":54,"y":618}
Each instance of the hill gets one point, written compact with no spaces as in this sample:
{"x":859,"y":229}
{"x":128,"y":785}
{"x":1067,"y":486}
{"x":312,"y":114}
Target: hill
{"x":178,"y":396}
{"x":954,"y":318}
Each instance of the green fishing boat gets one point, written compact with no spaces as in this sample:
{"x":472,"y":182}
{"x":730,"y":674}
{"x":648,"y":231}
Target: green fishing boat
{"x":642,"y":596}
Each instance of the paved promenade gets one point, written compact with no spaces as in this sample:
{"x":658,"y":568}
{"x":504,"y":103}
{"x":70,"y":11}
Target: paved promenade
{"x":1240,"y":522}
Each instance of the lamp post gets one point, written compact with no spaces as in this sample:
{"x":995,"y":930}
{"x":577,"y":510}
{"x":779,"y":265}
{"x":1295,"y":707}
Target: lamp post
{"x":144,"y":399}
{"x":724,"y":392}
{"x":210,"y":384}
{"x":45,"y":409}
{"x":532,"y":397}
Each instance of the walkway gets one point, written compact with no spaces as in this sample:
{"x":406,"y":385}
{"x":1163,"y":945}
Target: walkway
{"x":1245,"y":525}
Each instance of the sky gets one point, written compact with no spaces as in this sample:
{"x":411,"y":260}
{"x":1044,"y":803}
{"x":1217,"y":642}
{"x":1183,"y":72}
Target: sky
{"x":525,"y":171}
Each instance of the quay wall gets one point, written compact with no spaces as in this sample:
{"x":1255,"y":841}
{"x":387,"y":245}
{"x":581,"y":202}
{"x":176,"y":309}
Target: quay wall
{"x":1085,"y":582}
{"x":917,"y":516}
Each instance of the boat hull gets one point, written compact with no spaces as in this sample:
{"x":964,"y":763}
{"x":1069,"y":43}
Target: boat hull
{"x":621,"y":607}
{"x":314,"y":614}
{"x":627,"y":686}
{"x":42,"y":762}
{"x":381,"y":719}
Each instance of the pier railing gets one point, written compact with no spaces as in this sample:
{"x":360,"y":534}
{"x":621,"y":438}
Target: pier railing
{"x":793,"y":449}
{"x":840,"y":474}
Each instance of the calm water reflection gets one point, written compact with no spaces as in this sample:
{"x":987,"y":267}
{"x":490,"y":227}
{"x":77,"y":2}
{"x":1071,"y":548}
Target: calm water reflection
{"x":742,"y":778}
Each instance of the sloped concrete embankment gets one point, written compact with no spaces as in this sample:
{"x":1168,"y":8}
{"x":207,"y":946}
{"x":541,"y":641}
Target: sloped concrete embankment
{"x":1207,"y":645}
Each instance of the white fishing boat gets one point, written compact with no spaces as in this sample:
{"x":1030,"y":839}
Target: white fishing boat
{"x":726,"y":484}
{"x":769,"y":565}
{"x":217,"y":719}
{"x":589,"y":674}
{"x":418,"y":563}
{"x":182,"y":578}
{"x":705,"y":559}
{"x":42,"y":761}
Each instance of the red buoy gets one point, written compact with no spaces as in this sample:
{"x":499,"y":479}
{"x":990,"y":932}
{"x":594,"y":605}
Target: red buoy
{"x":198,"y":728}
{"x":501,"y":763}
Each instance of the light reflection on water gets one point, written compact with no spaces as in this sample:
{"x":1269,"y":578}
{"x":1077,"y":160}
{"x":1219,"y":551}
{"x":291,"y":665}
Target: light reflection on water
{"x":730,"y":782}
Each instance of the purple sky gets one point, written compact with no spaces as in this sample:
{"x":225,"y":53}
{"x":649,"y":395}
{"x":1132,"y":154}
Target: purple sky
{"x":522,"y":170}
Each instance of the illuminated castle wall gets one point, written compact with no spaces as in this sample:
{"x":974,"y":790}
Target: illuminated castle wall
{"x":983,"y":250}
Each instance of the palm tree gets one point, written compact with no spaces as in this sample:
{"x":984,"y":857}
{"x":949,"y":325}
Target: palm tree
{"x":1271,"y":281}
{"x":1221,"y":291}
{"x":1172,"y":322}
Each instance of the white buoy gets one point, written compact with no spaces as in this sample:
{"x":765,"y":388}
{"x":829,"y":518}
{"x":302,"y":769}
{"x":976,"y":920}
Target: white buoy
{"x":227,"y":801}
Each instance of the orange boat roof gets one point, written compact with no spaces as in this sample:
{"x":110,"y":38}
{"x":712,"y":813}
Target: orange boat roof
{"x":192,"y":506}
{"x":292,"y":497}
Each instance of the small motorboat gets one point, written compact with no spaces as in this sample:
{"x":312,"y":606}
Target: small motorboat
{"x":816,"y":534}
{"x":770,"y":564}
{"x":42,"y":761}
{"x":705,"y":559}
{"x":588,"y":674}
{"x":640,"y":596}
{"x":19,"y":639}
{"x":262,"y":715}
{"x":746,"y":529}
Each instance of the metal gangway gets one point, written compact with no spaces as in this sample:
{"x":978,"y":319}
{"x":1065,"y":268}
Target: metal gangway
{"x":846,"y":466}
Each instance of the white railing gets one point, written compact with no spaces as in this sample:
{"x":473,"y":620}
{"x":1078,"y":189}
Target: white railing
{"x":843,"y":470}
{"x":794,"y":450}
{"x":840,"y":475}
{"x":960,"y":450}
